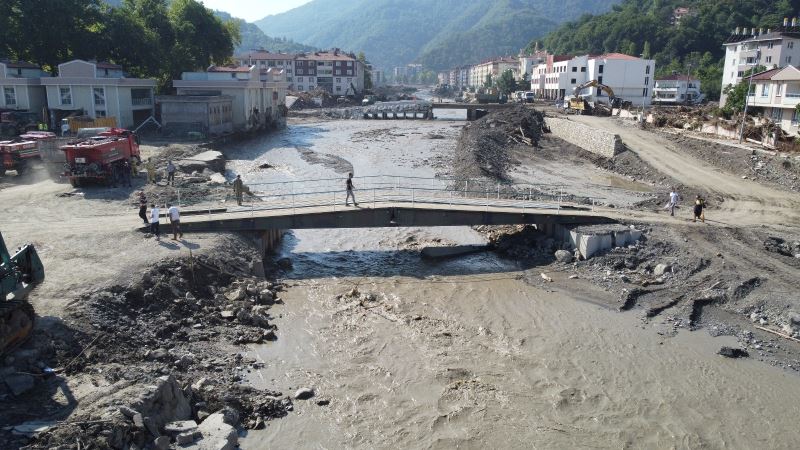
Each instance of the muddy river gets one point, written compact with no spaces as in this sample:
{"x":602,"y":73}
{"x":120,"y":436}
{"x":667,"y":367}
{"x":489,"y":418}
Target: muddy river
{"x":474,"y":352}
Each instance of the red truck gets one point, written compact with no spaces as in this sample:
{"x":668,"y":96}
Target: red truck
{"x":16,"y":155}
{"x":100,"y":158}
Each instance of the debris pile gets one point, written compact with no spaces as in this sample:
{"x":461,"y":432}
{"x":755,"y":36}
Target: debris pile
{"x":318,"y":98}
{"x":483,"y":148}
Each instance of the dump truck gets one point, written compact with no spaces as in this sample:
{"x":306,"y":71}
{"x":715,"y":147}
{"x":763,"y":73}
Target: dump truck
{"x":17,"y":122}
{"x":19,"y":273}
{"x":99,"y":158}
{"x":17,"y":155}
{"x":49,"y":147}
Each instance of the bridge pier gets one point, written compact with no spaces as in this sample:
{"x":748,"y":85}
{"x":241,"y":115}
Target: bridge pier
{"x":268,"y":240}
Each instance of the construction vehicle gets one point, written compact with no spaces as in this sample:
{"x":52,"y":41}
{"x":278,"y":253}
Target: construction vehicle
{"x":16,"y":155}
{"x":18,"y":122}
{"x":100,"y":158}
{"x":578,"y":105}
{"x":19,"y":273}
{"x":49,"y":147}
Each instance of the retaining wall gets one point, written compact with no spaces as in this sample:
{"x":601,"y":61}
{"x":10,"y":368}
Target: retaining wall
{"x":590,"y":139}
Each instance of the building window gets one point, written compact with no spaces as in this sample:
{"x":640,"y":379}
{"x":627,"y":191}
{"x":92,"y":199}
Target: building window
{"x":768,"y":59}
{"x":300,"y":88}
{"x":740,"y":74}
{"x":574,"y":69}
{"x":647,"y":70}
{"x":788,"y":59}
{"x":769,"y":45}
{"x":790,"y":44}
{"x":644,"y":92}
{"x":338,"y":80}
{"x":778,"y":90}
{"x":572,"y":81}
{"x":99,"y":96}
{"x":765,"y":90}
{"x":600,"y":80}
{"x":100,"y":113}
{"x":583,"y":69}
{"x":647,"y":81}
{"x":600,"y":68}
{"x":777,"y":114}
{"x":338,"y":89}
{"x":10,"y":95}
{"x":299,"y":79}
{"x":794,"y":117}
{"x":65,"y":94}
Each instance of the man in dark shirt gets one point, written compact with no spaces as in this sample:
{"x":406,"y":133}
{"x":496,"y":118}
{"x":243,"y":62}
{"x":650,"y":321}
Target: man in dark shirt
{"x":143,"y":207}
{"x":350,"y":191}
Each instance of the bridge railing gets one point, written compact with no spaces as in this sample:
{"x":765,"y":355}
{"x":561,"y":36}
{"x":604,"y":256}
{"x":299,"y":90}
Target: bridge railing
{"x":382,"y":190}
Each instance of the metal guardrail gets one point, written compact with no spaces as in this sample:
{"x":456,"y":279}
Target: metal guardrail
{"x":385,"y":190}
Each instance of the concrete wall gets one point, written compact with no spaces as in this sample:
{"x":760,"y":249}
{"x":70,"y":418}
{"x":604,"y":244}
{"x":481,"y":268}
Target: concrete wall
{"x":590,"y":139}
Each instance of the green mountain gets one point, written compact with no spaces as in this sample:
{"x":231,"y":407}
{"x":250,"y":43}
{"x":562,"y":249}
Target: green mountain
{"x":437,"y":33}
{"x":646,"y":26}
{"x":253,"y":38}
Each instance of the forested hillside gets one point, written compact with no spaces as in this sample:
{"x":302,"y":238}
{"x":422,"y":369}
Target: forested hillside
{"x":644,"y":27}
{"x":253,"y":38}
{"x":438,"y":33}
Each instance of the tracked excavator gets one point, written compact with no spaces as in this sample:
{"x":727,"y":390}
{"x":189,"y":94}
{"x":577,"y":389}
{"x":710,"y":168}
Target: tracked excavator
{"x":19,"y":273}
{"x":579,"y":105}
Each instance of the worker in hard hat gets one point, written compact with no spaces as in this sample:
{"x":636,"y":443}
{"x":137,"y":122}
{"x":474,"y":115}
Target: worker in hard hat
{"x":151,"y":171}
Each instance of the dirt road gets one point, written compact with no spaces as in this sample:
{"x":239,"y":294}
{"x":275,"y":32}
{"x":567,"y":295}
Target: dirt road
{"x":746,"y":203}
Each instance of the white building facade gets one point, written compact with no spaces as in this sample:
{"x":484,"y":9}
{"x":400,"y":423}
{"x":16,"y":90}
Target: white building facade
{"x":677,"y":90}
{"x":21,"y":88}
{"x":778,"y":92}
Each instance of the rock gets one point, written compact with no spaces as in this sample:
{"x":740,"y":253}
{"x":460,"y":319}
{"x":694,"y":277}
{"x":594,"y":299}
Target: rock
{"x":32,"y":428}
{"x":138,"y":421}
{"x":573,"y":277}
{"x":180,"y":427}
{"x":729,"y":352}
{"x":546,"y":277}
{"x":563,"y":256}
{"x":211,"y":160}
{"x":303,"y":394}
{"x":200,"y":384}
{"x":185,"y":438}
{"x":794,"y":318}
{"x":217,"y":435}
{"x":230,"y":416}
{"x":661,"y":269}
{"x":285,"y":263}
{"x":323,"y":402}
{"x":162,"y":443}
{"x":127,"y":412}
{"x":19,"y":383}
{"x":227,"y":314}
{"x":251,"y":289}
{"x":235,"y":295}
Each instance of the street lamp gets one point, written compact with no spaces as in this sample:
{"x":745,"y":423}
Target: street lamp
{"x":747,"y":95}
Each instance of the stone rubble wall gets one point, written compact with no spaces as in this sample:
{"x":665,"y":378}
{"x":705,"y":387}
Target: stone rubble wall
{"x":590,"y":139}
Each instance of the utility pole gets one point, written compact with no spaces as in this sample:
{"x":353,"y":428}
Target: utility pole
{"x":747,"y":94}
{"x":686,"y":95}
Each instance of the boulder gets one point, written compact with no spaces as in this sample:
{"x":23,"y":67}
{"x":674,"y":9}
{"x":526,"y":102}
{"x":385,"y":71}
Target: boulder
{"x":661,"y":269}
{"x":303,"y":394}
{"x":267,"y":297}
{"x":216,"y":434}
{"x":162,"y":443}
{"x":729,"y":352}
{"x":235,"y":294}
{"x":211,"y":160}
{"x":180,"y":427}
{"x":563,"y":256}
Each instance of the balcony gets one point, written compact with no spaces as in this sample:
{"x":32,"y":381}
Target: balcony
{"x":142,"y":101}
{"x":791,"y":98}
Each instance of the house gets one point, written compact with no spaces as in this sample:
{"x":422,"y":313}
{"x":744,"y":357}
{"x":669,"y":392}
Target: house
{"x":677,"y":89}
{"x":678,"y":14}
{"x":334,"y":71}
{"x":208,"y":115}
{"x":255,"y":104}
{"x":777,"y":91}
{"x":21,"y":86}
{"x":748,"y":48}
{"x":494,"y":68}
{"x":99,"y":89}
{"x":265,"y":59}
{"x":630,"y":78}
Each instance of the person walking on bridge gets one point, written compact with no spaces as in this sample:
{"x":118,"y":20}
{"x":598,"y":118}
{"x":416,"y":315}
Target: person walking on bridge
{"x":673,"y":201}
{"x":238,"y":189}
{"x":349,"y":185}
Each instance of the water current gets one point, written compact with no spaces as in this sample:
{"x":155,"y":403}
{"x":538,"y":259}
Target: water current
{"x":472,"y":352}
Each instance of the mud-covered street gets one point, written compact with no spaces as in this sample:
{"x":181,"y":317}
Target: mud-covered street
{"x":350,"y":338}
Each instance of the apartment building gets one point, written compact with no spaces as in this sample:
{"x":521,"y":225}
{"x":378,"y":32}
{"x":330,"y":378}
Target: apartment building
{"x":255,"y":103}
{"x":529,"y":62}
{"x":748,"y":48}
{"x":21,"y":87}
{"x":265,"y":60}
{"x":494,"y":67}
{"x":335,"y":71}
{"x":99,"y":89}
{"x":777,"y":91}
{"x":631,"y":78}
{"x":677,"y":89}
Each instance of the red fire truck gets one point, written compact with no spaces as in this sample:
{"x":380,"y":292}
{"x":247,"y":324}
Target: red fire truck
{"x":17,"y":155}
{"x":100,"y":158}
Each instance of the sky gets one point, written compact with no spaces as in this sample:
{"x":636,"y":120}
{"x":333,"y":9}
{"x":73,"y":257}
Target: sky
{"x":252,"y":10}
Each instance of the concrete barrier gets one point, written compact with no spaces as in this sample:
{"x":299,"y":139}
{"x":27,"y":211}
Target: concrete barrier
{"x":588,"y":138}
{"x":591,"y":240}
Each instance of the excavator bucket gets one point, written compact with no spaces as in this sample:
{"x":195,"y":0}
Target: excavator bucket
{"x":19,"y":273}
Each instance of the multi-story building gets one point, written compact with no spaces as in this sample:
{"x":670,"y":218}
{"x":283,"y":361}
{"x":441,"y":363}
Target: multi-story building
{"x":264,"y":60}
{"x":255,"y":103}
{"x":749,"y":48}
{"x":778,"y":92}
{"x":335,"y":71}
{"x":528,"y":62}
{"x":494,"y":68}
{"x":21,"y":87}
{"x":631,"y":78}
{"x":443,"y":78}
{"x":677,"y":89}
{"x":99,"y":89}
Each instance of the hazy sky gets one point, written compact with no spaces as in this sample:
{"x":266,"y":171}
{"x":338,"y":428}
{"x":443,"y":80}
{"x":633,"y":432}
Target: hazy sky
{"x":252,"y":10}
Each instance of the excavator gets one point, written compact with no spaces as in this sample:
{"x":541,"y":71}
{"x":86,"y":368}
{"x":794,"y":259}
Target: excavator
{"x":19,"y":273}
{"x":579,"y":105}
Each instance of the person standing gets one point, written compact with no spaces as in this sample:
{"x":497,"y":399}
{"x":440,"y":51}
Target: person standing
{"x":155,"y":217}
{"x":151,"y":171}
{"x":699,"y":209}
{"x":170,"y":173}
{"x":64,"y":128}
{"x":238,"y":189}
{"x":135,"y":167}
{"x":175,"y":220}
{"x":143,"y":207}
{"x":126,"y":173}
{"x":673,"y":202}
{"x":349,"y":185}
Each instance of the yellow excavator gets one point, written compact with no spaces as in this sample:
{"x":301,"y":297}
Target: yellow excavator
{"x":579,"y":105}
{"x":19,"y":273}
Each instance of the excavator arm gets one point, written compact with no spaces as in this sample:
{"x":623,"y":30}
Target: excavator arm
{"x":18,"y":274}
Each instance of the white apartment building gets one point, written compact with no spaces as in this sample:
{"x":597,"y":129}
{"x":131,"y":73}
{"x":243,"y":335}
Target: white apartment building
{"x":778,"y":92}
{"x":21,"y":87}
{"x":493,"y":67}
{"x":528,"y":63}
{"x":255,"y":103}
{"x":265,"y":60}
{"x":334,"y":71}
{"x":677,"y":89}
{"x":750,"y":47}
{"x":99,"y":90}
{"x":630,"y":78}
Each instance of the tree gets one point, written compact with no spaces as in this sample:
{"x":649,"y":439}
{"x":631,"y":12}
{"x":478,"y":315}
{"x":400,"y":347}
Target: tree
{"x":506,"y":82}
{"x":736,"y":94}
{"x":367,"y":74}
{"x":487,"y":82}
{"x":200,"y":37}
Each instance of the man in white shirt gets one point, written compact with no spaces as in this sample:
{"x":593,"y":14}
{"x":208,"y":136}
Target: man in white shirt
{"x":155,"y":216}
{"x":175,"y":220}
{"x":673,"y":201}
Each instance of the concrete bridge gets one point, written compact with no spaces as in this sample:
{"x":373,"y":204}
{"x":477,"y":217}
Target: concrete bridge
{"x":424,"y":109}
